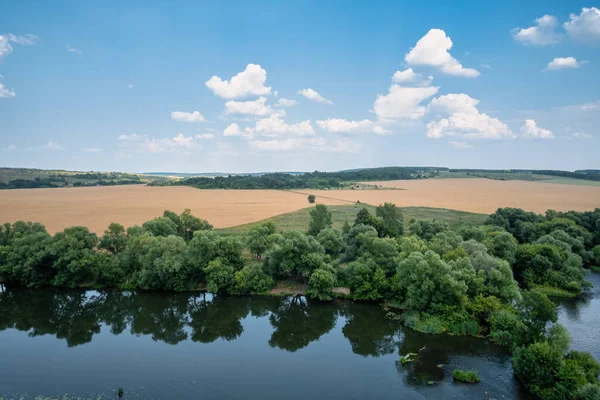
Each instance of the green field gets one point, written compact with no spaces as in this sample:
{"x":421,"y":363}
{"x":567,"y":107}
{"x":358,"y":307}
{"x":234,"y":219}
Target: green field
{"x":299,"y":219}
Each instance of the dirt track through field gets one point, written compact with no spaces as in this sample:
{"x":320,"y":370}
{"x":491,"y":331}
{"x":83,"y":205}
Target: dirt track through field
{"x":97,"y":207}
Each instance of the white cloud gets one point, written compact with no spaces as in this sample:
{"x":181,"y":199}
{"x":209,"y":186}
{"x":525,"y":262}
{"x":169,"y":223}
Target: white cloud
{"x":256,"y":107}
{"x":581,"y":135}
{"x":275,"y":126}
{"x":532,"y":131}
{"x":74,"y":50}
{"x":53,"y":146}
{"x":338,"y":125}
{"x":187,"y":117}
{"x":432,"y":50}
{"x":563,"y":63}
{"x":463,"y":119}
{"x":283,"y":102}
{"x":584,"y":27}
{"x":6,"y":92}
{"x":460,"y":145}
{"x":234,"y":130}
{"x":250,"y":82}
{"x":145,"y":143}
{"x":286,"y":144}
{"x":403,"y":102}
{"x":27,"y":40}
{"x":314,"y":96}
{"x":205,"y":136}
{"x":5,"y":47}
{"x":542,"y":34}
{"x":486,"y":66}
{"x":92,"y":150}
{"x":410,"y":76}
{"x":590,"y":106}
{"x":275,"y":93}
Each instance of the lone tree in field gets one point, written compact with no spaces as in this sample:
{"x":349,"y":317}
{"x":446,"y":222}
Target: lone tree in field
{"x":320,"y":218}
{"x":311,"y":198}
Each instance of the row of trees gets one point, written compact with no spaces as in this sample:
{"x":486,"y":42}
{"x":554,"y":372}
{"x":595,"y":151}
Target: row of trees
{"x":478,"y":280}
{"x":55,"y":180}
{"x":313,"y":180}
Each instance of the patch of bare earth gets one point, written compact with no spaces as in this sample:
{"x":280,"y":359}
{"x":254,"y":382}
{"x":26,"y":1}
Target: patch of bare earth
{"x":291,"y":288}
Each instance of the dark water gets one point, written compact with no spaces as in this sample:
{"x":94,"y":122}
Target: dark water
{"x":192,"y":346}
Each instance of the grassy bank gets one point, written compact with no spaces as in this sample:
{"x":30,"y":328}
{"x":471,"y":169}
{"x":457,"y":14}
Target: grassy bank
{"x":299,"y":220}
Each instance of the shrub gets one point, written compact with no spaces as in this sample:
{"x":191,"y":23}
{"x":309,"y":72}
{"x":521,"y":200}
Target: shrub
{"x":465,"y":376}
{"x":311,"y":198}
{"x":320,"y":285}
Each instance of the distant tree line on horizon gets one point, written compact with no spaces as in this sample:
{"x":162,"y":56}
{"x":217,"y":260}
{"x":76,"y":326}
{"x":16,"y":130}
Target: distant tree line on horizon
{"x":490,"y":280}
{"x":586,"y":174}
{"x":57,"y":180}
{"x":312,"y":180}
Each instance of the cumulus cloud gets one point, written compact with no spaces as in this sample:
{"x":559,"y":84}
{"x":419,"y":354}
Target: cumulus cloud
{"x":541,"y":34}
{"x":187,"y":117}
{"x":403,"y":102}
{"x":92,"y":150}
{"x":532,"y":131}
{"x":74,"y":50}
{"x":145,"y":143}
{"x":283,"y":102}
{"x":432,"y":50}
{"x":457,"y":115}
{"x":271,"y":126}
{"x":314,"y":96}
{"x":564,"y":63}
{"x":256,"y":107}
{"x":53,"y":146}
{"x":205,"y":136}
{"x":584,"y":27}
{"x":6,"y":92}
{"x":338,"y":125}
{"x":410,"y":76}
{"x":250,"y":82}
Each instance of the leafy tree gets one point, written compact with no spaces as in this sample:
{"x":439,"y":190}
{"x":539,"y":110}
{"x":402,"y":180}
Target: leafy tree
{"x":259,"y":238}
{"x":427,"y":229}
{"x":320,"y":285}
{"x":320,"y":218}
{"x":425,"y":280}
{"x":536,"y":311}
{"x":294,"y":255}
{"x":191,"y":224}
{"x":161,"y":264}
{"x":469,"y":232}
{"x":331,"y":240}
{"x":444,"y":242}
{"x":502,"y":245}
{"x":311,"y":198}
{"x":251,"y":279}
{"x":207,"y":246}
{"x":366,"y":281}
{"x":219,"y":277}
{"x":114,"y":238}
{"x":161,"y":226}
{"x":353,"y":239}
{"x":392,"y":221}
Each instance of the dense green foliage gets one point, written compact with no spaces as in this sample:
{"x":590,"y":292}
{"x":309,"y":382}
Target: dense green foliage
{"x":33,"y":179}
{"x":475,"y":280}
{"x":465,"y":376}
{"x":315,"y":180}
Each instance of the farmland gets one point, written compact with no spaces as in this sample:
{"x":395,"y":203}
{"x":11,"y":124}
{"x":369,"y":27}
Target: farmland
{"x":97,"y":207}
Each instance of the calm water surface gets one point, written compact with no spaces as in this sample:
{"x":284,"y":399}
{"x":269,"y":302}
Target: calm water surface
{"x":191,"y":346}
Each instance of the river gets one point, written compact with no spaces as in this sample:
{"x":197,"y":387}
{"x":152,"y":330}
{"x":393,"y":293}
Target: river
{"x":188,"y":346}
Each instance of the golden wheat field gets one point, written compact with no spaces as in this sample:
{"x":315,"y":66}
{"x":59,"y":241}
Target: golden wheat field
{"x":97,"y":207}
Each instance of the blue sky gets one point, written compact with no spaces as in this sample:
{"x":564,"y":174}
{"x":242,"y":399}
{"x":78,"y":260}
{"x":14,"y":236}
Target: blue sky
{"x":147,"y":86}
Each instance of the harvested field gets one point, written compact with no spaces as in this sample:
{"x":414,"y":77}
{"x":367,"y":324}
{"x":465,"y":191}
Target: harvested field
{"x":97,"y":207}
{"x":476,"y":195}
